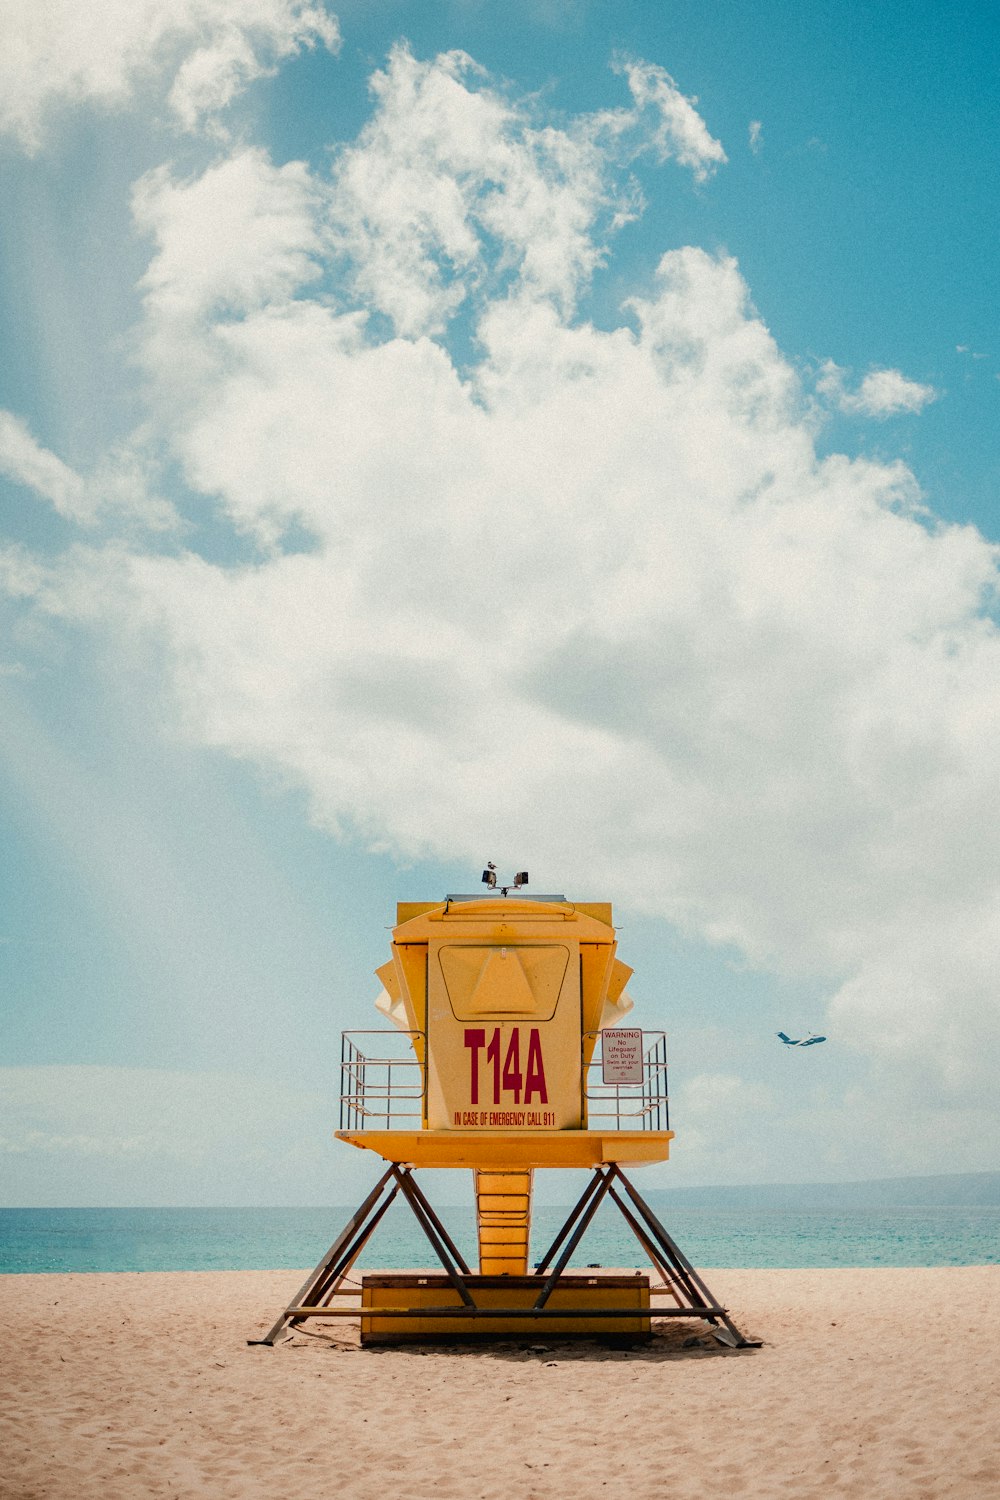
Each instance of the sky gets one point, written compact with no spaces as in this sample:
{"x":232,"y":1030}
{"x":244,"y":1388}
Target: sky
{"x":562,"y":434}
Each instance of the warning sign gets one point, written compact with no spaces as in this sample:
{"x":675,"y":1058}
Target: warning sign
{"x":621,"y":1056}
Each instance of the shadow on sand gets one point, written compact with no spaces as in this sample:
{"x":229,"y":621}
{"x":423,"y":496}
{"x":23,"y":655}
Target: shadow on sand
{"x":670,"y":1342}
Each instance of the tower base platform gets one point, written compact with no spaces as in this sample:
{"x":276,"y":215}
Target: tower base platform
{"x":411,"y":1308}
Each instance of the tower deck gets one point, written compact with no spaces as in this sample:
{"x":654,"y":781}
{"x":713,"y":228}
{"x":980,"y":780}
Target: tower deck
{"x":528,"y":1148}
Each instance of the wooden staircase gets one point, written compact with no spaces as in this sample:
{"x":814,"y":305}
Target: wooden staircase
{"x":503,"y":1218}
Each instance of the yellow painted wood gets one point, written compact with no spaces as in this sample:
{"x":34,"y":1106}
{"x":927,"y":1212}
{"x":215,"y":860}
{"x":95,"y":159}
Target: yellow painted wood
{"x":386,"y":1294}
{"x":599,"y":910}
{"x":503,"y":915}
{"x":492,"y":1182}
{"x":390,"y":980}
{"x":596,"y":961}
{"x":410,"y":963}
{"x":407,"y":910}
{"x":505,"y":997}
{"x":524,"y":1148}
{"x":503,"y":1208}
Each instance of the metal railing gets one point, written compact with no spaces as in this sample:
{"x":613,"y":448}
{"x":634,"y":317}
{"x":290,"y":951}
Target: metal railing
{"x":382,"y":1084}
{"x":383,"y":1088}
{"x":629,"y":1106}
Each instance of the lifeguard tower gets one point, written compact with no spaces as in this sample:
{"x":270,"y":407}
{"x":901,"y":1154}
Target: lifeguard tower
{"x":506,"y":1056}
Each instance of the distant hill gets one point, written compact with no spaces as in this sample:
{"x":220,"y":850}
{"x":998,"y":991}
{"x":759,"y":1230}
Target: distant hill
{"x":950,"y":1189}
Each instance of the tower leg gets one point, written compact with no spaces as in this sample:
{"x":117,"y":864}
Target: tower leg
{"x":583,"y":1218}
{"x":685,"y":1284}
{"x":593,"y":1184}
{"x":322,"y":1283}
{"x":692,"y":1297}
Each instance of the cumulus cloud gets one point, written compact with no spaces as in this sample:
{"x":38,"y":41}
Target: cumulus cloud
{"x":240,"y":238}
{"x":59,"y":52}
{"x":449,"y":169}
{"x":882,"y":393}
{"x":593,"y":594}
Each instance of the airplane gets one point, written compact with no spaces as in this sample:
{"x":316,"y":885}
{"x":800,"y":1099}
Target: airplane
{"x":809,"y":1041}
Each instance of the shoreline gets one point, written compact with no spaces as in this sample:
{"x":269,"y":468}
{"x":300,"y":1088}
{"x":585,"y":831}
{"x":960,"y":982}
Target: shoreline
{"x":869,"y":1383}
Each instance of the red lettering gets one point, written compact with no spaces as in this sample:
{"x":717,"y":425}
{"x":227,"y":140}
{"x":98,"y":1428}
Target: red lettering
{"x":534,"y":1082}
{"x":493,"y":1056}
{"x":512,"y":1065}
{"x":507,"y":1075}
{"x":475,"y":1039}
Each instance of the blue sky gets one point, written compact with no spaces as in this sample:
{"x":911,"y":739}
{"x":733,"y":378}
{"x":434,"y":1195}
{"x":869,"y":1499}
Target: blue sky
{"x":562,"y":434}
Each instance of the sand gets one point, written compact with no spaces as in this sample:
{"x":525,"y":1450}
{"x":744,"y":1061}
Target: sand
{"x":869,"y":1383}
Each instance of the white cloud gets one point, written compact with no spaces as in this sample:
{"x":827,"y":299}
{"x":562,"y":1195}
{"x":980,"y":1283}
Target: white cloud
{"x":119,"y":484}
{"x":132,"y":1112}
{"x":452,"y":187}
{"x":755,"y":135}
{"x":882,"y":393}
{"x":60,"y":52}
{"x":597,"y":601}
{"x":72,"y":1134}
{"x":25,"y":461}
{"x":680,"y":130}
{"x":239,"y":237}
{"x":727,"y":1130}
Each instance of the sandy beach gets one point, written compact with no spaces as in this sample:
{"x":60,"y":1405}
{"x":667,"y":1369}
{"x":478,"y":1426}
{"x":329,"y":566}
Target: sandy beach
{"x":869,"y":1383}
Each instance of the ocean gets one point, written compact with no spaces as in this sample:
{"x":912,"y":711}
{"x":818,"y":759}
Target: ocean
{"x":231,"y":1239}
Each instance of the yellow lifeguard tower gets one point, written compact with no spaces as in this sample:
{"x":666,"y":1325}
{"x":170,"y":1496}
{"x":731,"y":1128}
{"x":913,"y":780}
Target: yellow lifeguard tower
{"x":507,"y":1056}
